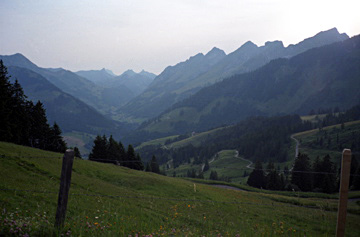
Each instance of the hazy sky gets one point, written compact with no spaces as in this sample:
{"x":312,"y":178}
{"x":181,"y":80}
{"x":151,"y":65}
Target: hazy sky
{"x":152,"y":34}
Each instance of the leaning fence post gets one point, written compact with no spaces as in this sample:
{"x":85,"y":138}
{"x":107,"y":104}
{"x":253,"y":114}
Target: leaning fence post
{"x":343,"y":194}
{"x":65,"y":181}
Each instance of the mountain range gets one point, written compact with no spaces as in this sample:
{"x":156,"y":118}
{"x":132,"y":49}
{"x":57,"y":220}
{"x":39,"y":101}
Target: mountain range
{"x":323,"y":77}
{"x":134,"y":82}
{"x":103,"y":99}
{"x":178,"y":82}
{"x":205,"y":91}
{"x":69,"y":112}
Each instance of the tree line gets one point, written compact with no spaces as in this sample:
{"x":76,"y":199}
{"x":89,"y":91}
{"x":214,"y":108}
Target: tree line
{"x":256,"y":138}
{"x":22,"y":122}
{"x":320,"y":176}
{"x":110,"y":151}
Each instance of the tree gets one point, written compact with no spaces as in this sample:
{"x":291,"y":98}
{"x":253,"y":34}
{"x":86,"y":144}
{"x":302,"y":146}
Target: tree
{"x":22,"y":122}
{"x":55,"y":141}
{"x":154,"y":165}
{"x":130,"y":157}
{"x":99,"y":150}
{"x":148,"y":167}
{"x":5,"y":110}
{"x":328,"y":184}
{"x":77,"y":153}
{"x":257,"y":177}
{"x":206,"y":166}
{"x":317,"y":178}
{"x":40,"y":129}
{"x":272,"y":178}
{"x":300,"y":175}
{"x":114,"y":150}
{"x":138,"y":164}
{"x":214,"y":175}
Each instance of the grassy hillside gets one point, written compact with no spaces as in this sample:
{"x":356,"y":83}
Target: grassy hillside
{"x":108,"y":200}
{"x":226,"y":163}
{"x":156,"y":142}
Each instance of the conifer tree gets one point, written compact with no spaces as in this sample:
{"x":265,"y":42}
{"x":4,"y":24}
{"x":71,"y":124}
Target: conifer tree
{"x":206,"y":166}
{"x":257,"y":176}
{"x":40,"y":129}
{"x":328,"y":183}
{"x":5,"y":110}
{"x":99,"y":150}
{"x":148,"y":167}
{"x":272,"y":178}
{"x":317,"y":178}
{"x":300,"y":173}
{"x":214,"y":175}
{"x":154,"y":165}
{"x":114,"y":151}
{"x":130,"y":157}
{"x":55,"y":141}
{"x":138,"y":164}
{"x":77,"y":153}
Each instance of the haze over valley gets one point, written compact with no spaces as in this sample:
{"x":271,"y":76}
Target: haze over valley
{"x":181,"y":118}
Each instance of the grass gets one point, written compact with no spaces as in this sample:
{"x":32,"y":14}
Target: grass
{"x":227,"y":164}
{"x":108,"y":200}
{"x":159,"y":141}
{"x":195,"y":140}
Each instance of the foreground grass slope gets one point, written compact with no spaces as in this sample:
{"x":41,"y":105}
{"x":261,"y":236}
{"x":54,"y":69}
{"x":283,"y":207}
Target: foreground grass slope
{"x":108,"y":200}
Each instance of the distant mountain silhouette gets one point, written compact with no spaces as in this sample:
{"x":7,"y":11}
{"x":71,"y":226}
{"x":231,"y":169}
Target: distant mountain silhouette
{"x":178,"y":82}
{"x":323,"y":77}
{"x":69,"y":112}
{"x":105,"y":100}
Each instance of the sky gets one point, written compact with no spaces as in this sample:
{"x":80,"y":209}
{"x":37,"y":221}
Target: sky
{"x":153,"y":34}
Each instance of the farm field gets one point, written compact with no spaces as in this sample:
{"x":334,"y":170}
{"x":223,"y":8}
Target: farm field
{"x":108,"y":200}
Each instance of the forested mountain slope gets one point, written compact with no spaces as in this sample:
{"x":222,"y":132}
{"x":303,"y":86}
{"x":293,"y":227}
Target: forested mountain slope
{"x":324,"y":77}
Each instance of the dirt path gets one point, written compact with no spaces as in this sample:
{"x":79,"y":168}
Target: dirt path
{"x":297,"y":145}
{"x":250,"y":162}
{"x":212,"y":160}
{"x":296,"y":148}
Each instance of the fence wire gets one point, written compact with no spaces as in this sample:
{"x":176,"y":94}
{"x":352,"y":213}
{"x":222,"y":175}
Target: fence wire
{"x":116,"y":162}
{"x":162,"y":198}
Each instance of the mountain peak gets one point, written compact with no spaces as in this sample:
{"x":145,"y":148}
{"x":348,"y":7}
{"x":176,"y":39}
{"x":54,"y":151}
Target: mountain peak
{"x":274,"y":44}
{"x":322,"y":38}
{"x":18,"y":60}
{"x":333,"y":32}
{"x":215,"y":52}
{"x":129,"y":72}
{"x":249,"y":44}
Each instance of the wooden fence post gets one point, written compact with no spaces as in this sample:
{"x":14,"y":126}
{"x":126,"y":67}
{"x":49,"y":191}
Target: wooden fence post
{"x":343,"y":194}
{"x":65,"y":182}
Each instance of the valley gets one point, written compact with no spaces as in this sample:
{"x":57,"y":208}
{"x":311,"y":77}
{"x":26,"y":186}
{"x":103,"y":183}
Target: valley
{"x":246,"y":143}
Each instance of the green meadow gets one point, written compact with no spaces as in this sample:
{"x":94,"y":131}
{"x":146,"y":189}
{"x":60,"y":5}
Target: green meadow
{"x":109,"y":200}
